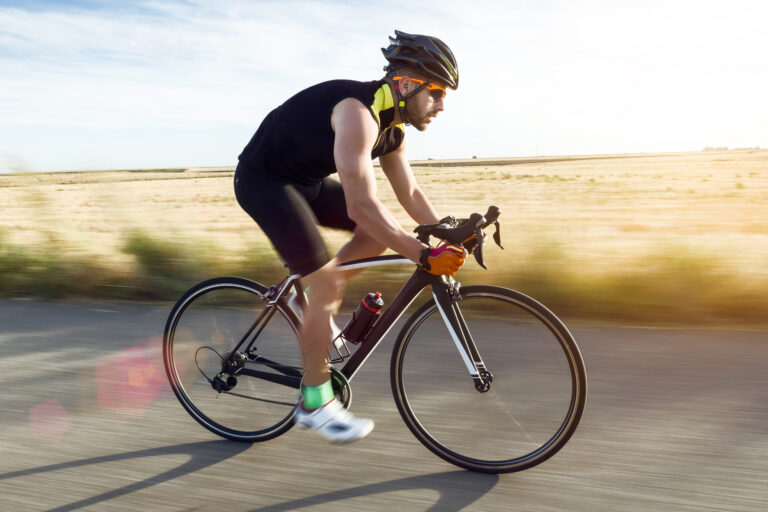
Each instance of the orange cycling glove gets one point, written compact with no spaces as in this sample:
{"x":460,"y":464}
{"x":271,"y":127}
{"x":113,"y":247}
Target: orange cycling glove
{"x":444,"y":260}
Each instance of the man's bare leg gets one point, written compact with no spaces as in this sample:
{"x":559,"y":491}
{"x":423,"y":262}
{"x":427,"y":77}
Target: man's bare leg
{"x":359,"y":246}
{"x":319,"y":411}
{"x":327,"y":288}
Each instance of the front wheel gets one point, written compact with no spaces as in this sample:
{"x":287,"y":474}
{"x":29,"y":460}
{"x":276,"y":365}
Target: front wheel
{"x":536,"y":389}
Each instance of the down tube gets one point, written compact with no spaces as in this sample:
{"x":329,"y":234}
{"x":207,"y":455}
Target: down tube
{"x":408,"y":293}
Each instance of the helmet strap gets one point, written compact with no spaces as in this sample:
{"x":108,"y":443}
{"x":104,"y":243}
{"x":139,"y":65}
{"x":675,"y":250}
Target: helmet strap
{"x":401,"y":101}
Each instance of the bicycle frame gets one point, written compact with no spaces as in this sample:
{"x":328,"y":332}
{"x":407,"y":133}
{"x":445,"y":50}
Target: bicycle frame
{"x":445,"y":290}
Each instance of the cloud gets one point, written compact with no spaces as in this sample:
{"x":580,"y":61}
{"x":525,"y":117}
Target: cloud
{"x":544,"y":76}
{"x":93,"y":69}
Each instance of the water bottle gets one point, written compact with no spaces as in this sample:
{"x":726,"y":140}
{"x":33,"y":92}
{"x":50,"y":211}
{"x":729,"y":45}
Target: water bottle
{"x":363,"y":318}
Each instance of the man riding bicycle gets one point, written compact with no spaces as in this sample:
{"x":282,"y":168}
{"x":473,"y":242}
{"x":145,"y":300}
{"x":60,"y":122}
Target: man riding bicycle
{"x":282,"y":181}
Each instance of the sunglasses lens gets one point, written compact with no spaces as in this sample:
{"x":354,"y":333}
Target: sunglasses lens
{"x":437,"y":94}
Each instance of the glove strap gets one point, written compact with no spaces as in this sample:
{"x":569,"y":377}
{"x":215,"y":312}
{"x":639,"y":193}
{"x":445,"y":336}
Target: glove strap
{"x":424,"y":260}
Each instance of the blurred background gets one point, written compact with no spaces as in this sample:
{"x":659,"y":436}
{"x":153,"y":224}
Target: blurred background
{"x":655,"y":238}
{"x":670,"y":228}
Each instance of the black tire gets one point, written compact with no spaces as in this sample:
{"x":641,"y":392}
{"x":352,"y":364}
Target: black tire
{"x":536,"y":398}
{"x":203,"y":327}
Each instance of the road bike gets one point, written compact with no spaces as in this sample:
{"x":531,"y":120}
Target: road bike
{"x":485,"y":377}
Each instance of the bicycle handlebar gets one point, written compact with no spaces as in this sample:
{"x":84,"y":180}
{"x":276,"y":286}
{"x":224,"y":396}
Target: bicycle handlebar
{"x":461,"y":231}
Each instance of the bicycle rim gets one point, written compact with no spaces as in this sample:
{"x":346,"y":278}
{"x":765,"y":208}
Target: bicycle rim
{"x":203,"y":329}
{"x":536,"y":397}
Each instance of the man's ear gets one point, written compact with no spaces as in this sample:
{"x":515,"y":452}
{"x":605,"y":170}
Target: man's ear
{"x":405,"y":85}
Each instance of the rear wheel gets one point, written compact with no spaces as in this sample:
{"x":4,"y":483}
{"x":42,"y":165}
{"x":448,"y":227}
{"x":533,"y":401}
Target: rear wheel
{"x":537,"y":389}
{"x":208,"y":366}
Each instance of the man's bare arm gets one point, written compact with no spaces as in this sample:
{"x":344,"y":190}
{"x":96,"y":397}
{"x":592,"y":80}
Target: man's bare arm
{"x":400,"y":175}
{"x":356,"y":133}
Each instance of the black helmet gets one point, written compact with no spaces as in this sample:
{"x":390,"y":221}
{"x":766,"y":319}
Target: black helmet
{"x":427,"y":54}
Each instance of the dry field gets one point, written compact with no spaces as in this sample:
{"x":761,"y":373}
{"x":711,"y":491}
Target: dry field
{"x":587,"y":215}
{"x":598,"y":212}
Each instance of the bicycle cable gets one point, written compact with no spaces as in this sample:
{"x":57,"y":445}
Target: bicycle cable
{"x":198,"y":364}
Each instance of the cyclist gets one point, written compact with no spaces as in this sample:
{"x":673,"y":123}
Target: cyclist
{"x":282,"y":181}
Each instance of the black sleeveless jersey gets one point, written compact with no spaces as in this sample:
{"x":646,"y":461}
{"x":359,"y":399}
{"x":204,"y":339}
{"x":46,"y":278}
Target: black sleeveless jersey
{"x":294,"y":143}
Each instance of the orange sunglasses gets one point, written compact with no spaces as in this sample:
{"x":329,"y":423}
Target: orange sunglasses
{"x":435,"y":91}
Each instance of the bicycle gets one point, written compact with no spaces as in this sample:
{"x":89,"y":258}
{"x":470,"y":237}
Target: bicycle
{"x":485,"y":377}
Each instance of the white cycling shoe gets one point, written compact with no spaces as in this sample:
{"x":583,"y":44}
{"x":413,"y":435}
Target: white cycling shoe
{"x":334,"y":423}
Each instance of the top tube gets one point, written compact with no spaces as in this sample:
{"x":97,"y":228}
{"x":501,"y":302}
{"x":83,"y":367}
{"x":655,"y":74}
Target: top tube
{"x":376,"y":261}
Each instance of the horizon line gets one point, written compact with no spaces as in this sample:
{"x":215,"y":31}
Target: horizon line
{"x":429,"y":162}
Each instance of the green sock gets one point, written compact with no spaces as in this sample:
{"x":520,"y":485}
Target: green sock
{"x":317,"y":396}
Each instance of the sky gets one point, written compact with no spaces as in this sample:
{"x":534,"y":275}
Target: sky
{"x":91,"y":84}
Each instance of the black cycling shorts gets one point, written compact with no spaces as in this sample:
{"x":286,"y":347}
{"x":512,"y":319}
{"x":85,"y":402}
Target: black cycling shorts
{"x":289,"y":215}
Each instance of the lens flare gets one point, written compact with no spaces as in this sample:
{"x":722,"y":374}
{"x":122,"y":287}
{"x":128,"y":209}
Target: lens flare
{"x":129,"y":381}
{"x":49,"y":421}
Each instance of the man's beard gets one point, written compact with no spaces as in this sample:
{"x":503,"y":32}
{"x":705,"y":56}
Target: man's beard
{"x":420,"y":123}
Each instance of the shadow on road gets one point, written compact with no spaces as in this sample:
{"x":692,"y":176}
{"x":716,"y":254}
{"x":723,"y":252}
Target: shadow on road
{"x":457,"y":489}
{"x":201,"y":454}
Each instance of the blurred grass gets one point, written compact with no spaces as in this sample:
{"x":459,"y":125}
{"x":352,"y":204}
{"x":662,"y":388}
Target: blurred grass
{"x":41,"y":272}
{"x":647,"y":239}
{"x":671,"y":285}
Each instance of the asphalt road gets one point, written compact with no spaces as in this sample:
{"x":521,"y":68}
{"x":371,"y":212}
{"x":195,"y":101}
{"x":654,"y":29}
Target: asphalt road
{"x":676,"y":420}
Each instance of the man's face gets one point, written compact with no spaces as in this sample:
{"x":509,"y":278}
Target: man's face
{"x":423,"y":107}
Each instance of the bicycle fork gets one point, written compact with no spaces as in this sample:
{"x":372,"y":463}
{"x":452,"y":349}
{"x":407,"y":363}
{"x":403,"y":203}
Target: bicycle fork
{"x":447,"y":298}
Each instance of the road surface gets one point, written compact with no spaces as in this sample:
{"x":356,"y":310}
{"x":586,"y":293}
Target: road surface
{"x":676,"y":420}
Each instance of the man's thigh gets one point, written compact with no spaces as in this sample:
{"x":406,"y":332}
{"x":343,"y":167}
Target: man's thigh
{"x":287,"y":219}
{"x":330,"y":206}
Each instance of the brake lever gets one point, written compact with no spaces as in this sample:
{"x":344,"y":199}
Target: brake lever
{"x":478,"y":252}
{"x":497,"y":234}
{"x":493,"y":213}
